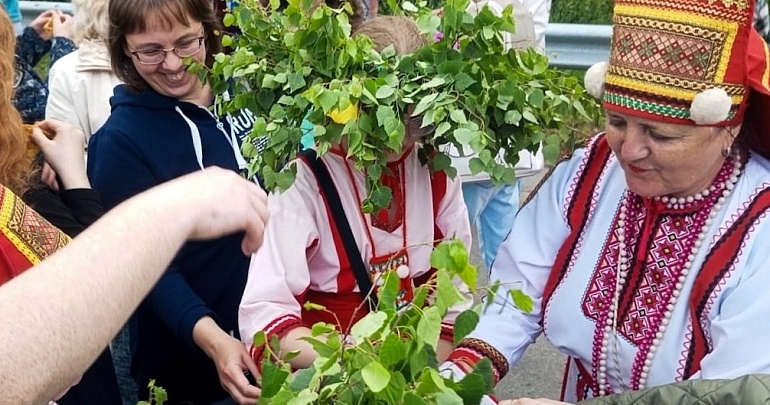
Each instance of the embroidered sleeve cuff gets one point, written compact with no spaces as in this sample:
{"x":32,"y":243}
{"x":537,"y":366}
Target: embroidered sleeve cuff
{"x":456,"y":371}
{"x":447,"y":332}
{"x":277,"y":327}
{"x":470,"y":351}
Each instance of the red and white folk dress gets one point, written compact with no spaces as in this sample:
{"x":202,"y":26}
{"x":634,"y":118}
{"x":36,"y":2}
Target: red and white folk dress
{"x":637,"y":292}
{"x":302,"y":258}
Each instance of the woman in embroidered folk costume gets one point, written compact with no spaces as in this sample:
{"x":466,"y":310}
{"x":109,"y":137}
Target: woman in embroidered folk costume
{"x":304,"y":256}
{"x":652,"y":265}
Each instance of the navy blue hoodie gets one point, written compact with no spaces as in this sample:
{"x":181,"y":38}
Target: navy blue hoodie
{"x":149,"y":139}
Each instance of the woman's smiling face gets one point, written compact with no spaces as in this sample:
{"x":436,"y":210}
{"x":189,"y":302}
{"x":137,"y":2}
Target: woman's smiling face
{"x":666,"y":159}
{"x":170,"y":77}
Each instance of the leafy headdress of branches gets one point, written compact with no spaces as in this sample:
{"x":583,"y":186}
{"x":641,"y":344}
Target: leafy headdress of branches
{"x":292,"y":65}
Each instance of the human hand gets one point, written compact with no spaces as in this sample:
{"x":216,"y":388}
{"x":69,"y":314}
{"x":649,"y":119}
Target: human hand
{"x":454,"y":372}
{"x":38,"y":24}
{"x":48,"y":176}
{"x":216,"y":202}
{"x":232,"y":360}
{"x":63,"y":26}
{"x":530,"y":401}
{"x":63,"y":146}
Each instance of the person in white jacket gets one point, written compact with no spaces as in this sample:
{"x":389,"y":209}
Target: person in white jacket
{"x":80,"y":84}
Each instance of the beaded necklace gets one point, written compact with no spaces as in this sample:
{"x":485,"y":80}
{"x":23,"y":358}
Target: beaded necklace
{"x":605,"y":337}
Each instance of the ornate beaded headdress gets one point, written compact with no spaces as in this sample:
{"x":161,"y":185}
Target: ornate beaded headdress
{"x":695,"y":62}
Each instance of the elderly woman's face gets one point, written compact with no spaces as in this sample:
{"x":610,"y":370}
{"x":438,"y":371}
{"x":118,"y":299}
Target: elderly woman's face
{"x":666,"y":159}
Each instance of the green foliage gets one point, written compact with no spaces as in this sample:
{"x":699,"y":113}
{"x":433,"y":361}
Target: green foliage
{"x":42,"y":66}
{"x":289,"y":66}
{"x":581,"y":12}
{"x":391,"y":7}
{"x":562,"y":11}
{"x":158,"y":395}
{"x":522,"y":301}
{"x":388,"y":357}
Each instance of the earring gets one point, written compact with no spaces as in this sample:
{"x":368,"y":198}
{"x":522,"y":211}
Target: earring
{"x":726,"y":151}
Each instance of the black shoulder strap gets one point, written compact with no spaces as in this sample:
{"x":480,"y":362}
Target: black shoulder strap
{"x":343,"y":226}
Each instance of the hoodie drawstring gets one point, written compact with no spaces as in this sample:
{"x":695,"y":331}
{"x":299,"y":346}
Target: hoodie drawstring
{"x":196,"y":139}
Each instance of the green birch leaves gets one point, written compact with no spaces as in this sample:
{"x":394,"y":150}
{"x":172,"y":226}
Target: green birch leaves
{"x":295,"y":70}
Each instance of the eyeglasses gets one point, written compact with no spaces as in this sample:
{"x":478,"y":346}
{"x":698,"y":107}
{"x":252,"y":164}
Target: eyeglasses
{"x":157,"y":56}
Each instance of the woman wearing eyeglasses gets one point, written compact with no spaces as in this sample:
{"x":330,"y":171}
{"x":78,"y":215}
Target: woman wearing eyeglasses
{"x":162,"y":125}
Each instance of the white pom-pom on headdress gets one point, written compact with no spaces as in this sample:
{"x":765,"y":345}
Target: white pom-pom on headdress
{"x":594,"y":79}
{"x":710,"y":106}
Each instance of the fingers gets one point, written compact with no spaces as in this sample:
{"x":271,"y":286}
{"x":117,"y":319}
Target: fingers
{"x":48,"y":176}
{"x":63,"y":148}
{"x":250,"y":364}
{"x":43,"y":17}
{"x":240,"y":389}
{"x":230,"y":356}
{"x":49,"y":128}
{"x":253,"y":238}
{"x":221,"y":203}
{"x":53,"y":125}
{"x":61,"y":130}
{"x":257,"y":221}
{"x":40,"y":22}
{"x":46,"y":134}
{"x":38,"y":136}
{"x":238,"y":386}
{"x":62,"y":25}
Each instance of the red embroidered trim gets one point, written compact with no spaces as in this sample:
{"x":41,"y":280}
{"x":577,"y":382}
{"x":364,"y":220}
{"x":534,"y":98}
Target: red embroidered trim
{"x":447,"y":332}
{"x":716,"y":265}
{"x":473,"y":350}
{"x":465,"y":359}
{"x":577,"y":213}
{"x":278,"y":327}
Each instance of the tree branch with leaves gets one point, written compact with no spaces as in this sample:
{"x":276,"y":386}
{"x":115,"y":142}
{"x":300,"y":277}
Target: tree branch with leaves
{"x":289,"y":66}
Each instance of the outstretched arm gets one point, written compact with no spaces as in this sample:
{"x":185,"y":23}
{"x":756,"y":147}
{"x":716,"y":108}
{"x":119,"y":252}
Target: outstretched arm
{"x":106,"y":271}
